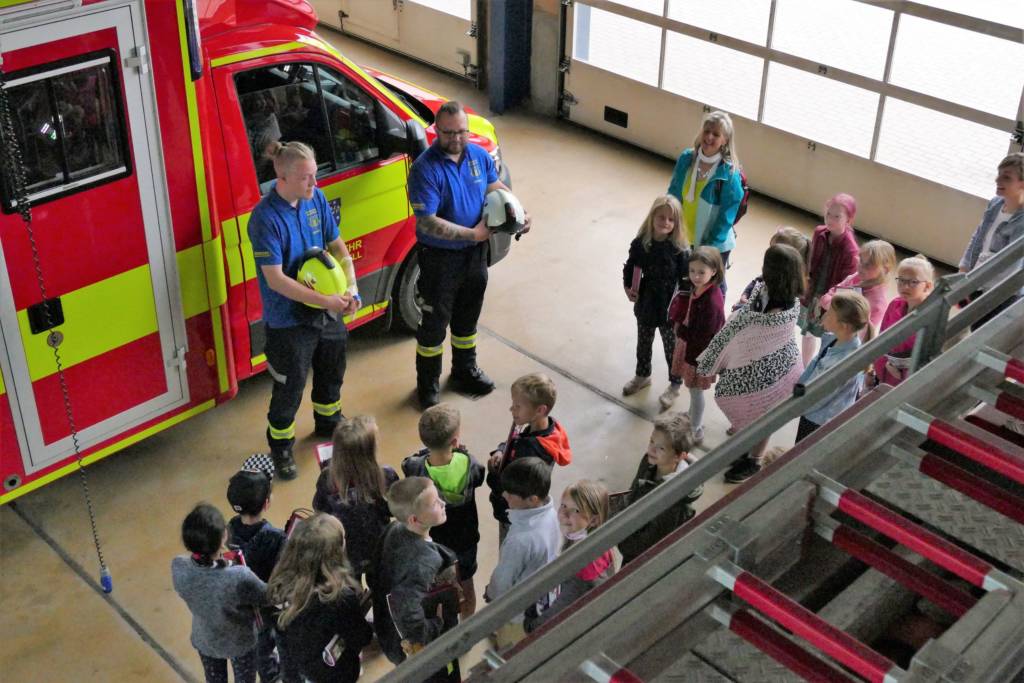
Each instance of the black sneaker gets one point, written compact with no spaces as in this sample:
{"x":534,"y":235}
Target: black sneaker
{"x":741,"y":471}
{"x":284,"y":464}
{"x":473,"y":381}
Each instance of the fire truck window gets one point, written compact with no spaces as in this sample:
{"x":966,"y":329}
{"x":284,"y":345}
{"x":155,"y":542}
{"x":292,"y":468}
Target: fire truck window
{"x":70,"y":127}
{"x":88,"y":112}
{"x":283,"y":102}
{"x":36,"y":128}
{"x":352,"y":118}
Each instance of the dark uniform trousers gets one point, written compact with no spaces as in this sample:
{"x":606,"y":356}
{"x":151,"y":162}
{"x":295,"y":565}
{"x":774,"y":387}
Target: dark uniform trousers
{"x":452,"y":285}
{"x":291,"y":351}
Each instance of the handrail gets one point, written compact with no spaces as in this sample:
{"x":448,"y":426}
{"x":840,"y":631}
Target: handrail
{"x":953,"y":288}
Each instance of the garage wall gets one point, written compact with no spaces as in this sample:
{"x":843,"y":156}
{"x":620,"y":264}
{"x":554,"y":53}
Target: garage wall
{"x":920,"y":211}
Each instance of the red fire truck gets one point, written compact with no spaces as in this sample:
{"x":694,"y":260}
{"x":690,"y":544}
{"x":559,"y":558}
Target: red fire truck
{"x":142,"y":127}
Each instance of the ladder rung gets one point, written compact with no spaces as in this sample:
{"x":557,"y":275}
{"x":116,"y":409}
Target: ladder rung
{"x":1000,"y":431}
{"x":917,"y":538}
{"x":973,"y":486}
{"x":950,"y":598}
{"x":602,"y":669}
{"x":970,"y":446}
{"x":779,"y":647}
{"x":1000,"y":362}
{"x":834,"y":642}
{"x":1002,"y":401}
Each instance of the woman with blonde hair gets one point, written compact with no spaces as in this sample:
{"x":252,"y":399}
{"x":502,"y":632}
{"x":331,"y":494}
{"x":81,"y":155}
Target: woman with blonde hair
{"x":708,"y":183}
{"x":321,"y":622}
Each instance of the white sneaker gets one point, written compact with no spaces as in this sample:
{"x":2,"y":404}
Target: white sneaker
{"x":698,"y":436}
{"x":669,"y":396}
{"x":636,"y":384}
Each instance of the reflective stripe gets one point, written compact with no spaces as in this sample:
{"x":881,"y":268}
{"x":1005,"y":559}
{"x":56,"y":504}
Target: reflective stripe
{"x":481,"y":126}
{"x":216,"y":290}
{"x":3,"y":389}
{"x":126,"y":299}
{"x":464,"y":342}
{"x":253,"y":54}
{"x":327,"y":409}
{"x":107,"y":450}
{"x":194,"y":297}
{"x":233,"y":251}
{"x":429,"y":351}
{"x":286,"y":433}
{"x":365,"y":311}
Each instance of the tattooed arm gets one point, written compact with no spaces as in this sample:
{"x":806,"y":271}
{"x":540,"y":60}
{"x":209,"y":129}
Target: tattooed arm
{"x":446,"y":230}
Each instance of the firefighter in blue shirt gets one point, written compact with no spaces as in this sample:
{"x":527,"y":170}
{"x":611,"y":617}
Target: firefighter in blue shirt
{"x":291,"y":218}
{"x":447,"y":186}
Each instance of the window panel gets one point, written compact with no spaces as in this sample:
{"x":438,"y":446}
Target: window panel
{"x":959,"y":65}
{"x":820,"y":109}
{"x":844,"y":34}
{"x":946,"y":149}
{"x":712,"y":74}
{"x":459,"y":8}
{"x":70,"y":126}
{"x":282,"y":102}
{"x":350,"y":114}
{"x":618,"y":44}
{"x":89,"y":117}
{"x":743,"y":19}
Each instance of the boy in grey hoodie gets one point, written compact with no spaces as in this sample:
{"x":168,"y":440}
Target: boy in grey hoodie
{"x":533,"y":539}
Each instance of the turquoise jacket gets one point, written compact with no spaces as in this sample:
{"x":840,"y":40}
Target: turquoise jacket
{"x":717,"y":204}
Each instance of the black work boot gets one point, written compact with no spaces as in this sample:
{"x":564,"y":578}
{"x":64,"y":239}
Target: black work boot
{"x":325,"y":428}
{"x":428,"y":379}
{"x":284,"y":463}
{"x":467,"y":377}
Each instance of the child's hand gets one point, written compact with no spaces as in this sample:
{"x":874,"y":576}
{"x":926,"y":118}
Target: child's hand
{"x":495,"y":460}
{"x":630,"y":294}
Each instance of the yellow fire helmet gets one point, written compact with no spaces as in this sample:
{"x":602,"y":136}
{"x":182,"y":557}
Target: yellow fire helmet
{"x":321,"y":272}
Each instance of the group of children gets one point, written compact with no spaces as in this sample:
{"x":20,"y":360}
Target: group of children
{"x":291,"y":605}
{"x":751,"y":358}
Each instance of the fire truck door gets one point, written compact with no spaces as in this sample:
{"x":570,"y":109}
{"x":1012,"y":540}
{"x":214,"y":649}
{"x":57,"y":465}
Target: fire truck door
{"x":84,"y":109}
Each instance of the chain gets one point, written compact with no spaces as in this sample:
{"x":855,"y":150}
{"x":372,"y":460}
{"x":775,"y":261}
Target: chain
{"x":14,"y":171}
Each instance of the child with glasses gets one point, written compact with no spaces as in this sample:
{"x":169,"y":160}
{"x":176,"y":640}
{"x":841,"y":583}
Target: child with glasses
{"x":915,"y":278}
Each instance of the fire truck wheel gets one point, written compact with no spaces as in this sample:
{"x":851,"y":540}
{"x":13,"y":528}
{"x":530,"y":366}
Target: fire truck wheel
{"x":406,"y":296}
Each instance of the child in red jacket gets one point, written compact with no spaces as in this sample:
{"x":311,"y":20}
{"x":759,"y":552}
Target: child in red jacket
{"x":534,"y":433}
{"x":834,"y":256}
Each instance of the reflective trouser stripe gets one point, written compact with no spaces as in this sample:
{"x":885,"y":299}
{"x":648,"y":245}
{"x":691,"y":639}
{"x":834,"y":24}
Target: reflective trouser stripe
{"x":327,"y":409}
{"x":429,"y":351}
{"x":464,"y":342}
{"x":286,"y":433}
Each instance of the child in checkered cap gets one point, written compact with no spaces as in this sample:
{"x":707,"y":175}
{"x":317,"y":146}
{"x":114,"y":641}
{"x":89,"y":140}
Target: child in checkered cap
{"x":259,"y":541}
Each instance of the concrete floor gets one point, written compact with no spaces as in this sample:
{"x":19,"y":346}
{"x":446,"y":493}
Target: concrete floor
{"x":554,"y":305}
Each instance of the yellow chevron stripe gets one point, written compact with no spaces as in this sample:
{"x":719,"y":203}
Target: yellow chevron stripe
{"x":97,"y":318}
{"x":104,"y":452}
{"x":254,"y":54}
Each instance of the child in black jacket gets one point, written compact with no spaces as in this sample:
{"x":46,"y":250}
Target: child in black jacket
{"x":656,"y":267}
{"x":667,"y":455}
{"x":259,"y":542}
{"x":456,"y":475}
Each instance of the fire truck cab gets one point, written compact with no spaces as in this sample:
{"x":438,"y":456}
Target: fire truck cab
{"x":142,"y":127}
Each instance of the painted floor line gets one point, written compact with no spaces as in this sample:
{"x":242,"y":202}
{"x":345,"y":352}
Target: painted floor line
{"x":593,"y":388}
{"x":78,"y":569}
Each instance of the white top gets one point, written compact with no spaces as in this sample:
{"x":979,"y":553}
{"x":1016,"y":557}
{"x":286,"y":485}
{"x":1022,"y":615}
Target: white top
{"x":986,"y":248}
